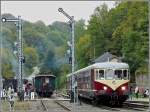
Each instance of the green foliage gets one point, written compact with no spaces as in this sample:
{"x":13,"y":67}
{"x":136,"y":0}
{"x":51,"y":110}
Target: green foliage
{"x":83,"y":51}
{"x":43,"y":46}
{"x":7,"y":71}
{"x":61,"y":78}
{"x":123,"y":31}
{"x":132,"y":34}
{"x":49,"y":64}
{"x":98,"y":31}
{"x":7,"y":64}
{"x":31,"y":58}
{"x":79,"y":29}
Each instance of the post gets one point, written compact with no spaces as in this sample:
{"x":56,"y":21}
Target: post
{"x":72,"y":32}
{"x":73,"y":59}
{"x":1,"y":74}
{"x":20,"y":56}
{"x":71,"y":18}
{"x":149,"y":54}
{"x":20,"y":59}
{"x":1,"y":87}
{"x":20,"y":53}
{"x":1,"y":84}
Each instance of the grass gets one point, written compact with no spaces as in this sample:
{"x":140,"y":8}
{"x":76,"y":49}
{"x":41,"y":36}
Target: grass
{"x":18,"y":106}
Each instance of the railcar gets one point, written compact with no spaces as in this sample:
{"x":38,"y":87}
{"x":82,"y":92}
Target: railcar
{"x":12,"y":82}
{"x":44,"y":84}
{"x":105,"y":82}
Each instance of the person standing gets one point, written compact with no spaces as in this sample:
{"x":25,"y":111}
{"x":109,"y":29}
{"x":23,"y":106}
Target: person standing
{"x":146,"y":93}
{"x":32,"y":93}
{"x":130,"y":93}
{"x":136,"y":91}
{"x":11,"y":98}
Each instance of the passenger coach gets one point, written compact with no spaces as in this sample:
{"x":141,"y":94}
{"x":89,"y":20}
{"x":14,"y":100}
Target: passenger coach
{"x":44,"y":84}
{"x":105,"y":82}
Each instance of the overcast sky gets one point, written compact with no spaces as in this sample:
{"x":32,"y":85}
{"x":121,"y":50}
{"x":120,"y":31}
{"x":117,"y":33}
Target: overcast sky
{"x":47,"y":11}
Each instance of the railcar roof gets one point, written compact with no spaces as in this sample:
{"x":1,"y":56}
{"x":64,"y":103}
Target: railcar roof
{"x":104,"y":65}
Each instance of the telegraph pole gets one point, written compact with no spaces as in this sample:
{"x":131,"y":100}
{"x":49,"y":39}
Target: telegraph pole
{"x":1,"y":83}
{"x":1,"y":66}
{"x":72,"y":22}
{"x":149,"y":56}
{"x":72,"y":43}
{"x":20,"y":54}
{"x":18,"y":22}
{"x":1,"y":87}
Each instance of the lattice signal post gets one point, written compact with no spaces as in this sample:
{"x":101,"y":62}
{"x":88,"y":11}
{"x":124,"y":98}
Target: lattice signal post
{"x":18,"y":23}
{"x":72,"y":22}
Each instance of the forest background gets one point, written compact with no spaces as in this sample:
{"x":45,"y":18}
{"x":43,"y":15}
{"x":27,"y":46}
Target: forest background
{"x":122,"y":31}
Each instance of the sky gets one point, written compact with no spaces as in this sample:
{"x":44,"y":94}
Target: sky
{"x":47,"y":11}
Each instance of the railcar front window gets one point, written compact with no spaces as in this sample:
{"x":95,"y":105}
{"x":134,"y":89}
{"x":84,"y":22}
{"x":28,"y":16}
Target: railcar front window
{"x":121,"y":74}
{"x":109,"y":74}
{"x":118,"y":74}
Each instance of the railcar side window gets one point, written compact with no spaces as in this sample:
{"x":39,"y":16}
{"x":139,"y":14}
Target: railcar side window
{"x":99,"y":74}
{"x":125,"y":74}
{"x":96,"y":75}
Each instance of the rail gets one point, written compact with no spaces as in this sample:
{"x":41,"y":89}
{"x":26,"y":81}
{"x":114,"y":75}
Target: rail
{"x":43,"y":105}
{"x":63,"y":106}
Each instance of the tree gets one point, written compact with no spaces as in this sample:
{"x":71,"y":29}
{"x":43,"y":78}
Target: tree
{"x":97,"y":30}
{"x":49,"y":64}
{"x":8,"y":64}
{"x":83,"y":51}
{"x":31,"y":59}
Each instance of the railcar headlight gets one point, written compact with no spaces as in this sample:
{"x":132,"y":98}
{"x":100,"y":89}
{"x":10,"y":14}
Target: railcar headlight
{"x":105,"y":88}
{"x":123,"y":88}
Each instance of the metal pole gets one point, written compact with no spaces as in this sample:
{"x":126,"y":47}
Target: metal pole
{"x":20,"y":54}
{"x":1,"y":83}
{"x":19,"y":47}
{"x":72,"y":32}
{"x":149,"y":55}
{"x":73,"y":59}
{"x":71,"y":18}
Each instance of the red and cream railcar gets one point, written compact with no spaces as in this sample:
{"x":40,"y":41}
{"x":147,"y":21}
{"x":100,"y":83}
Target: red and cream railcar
{"x":104,"y":82}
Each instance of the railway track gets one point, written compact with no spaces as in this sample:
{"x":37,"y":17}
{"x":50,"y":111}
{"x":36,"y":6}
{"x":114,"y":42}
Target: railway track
{"x":134,"y":105}
{"x":54,"y":105}
{"x":138,"y":102}
{"x":63,"y":106}
{"x":59,"y":105}
{"x":43,"y":105}
{"x":138,"y":106}
{"x":128,"y":105}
